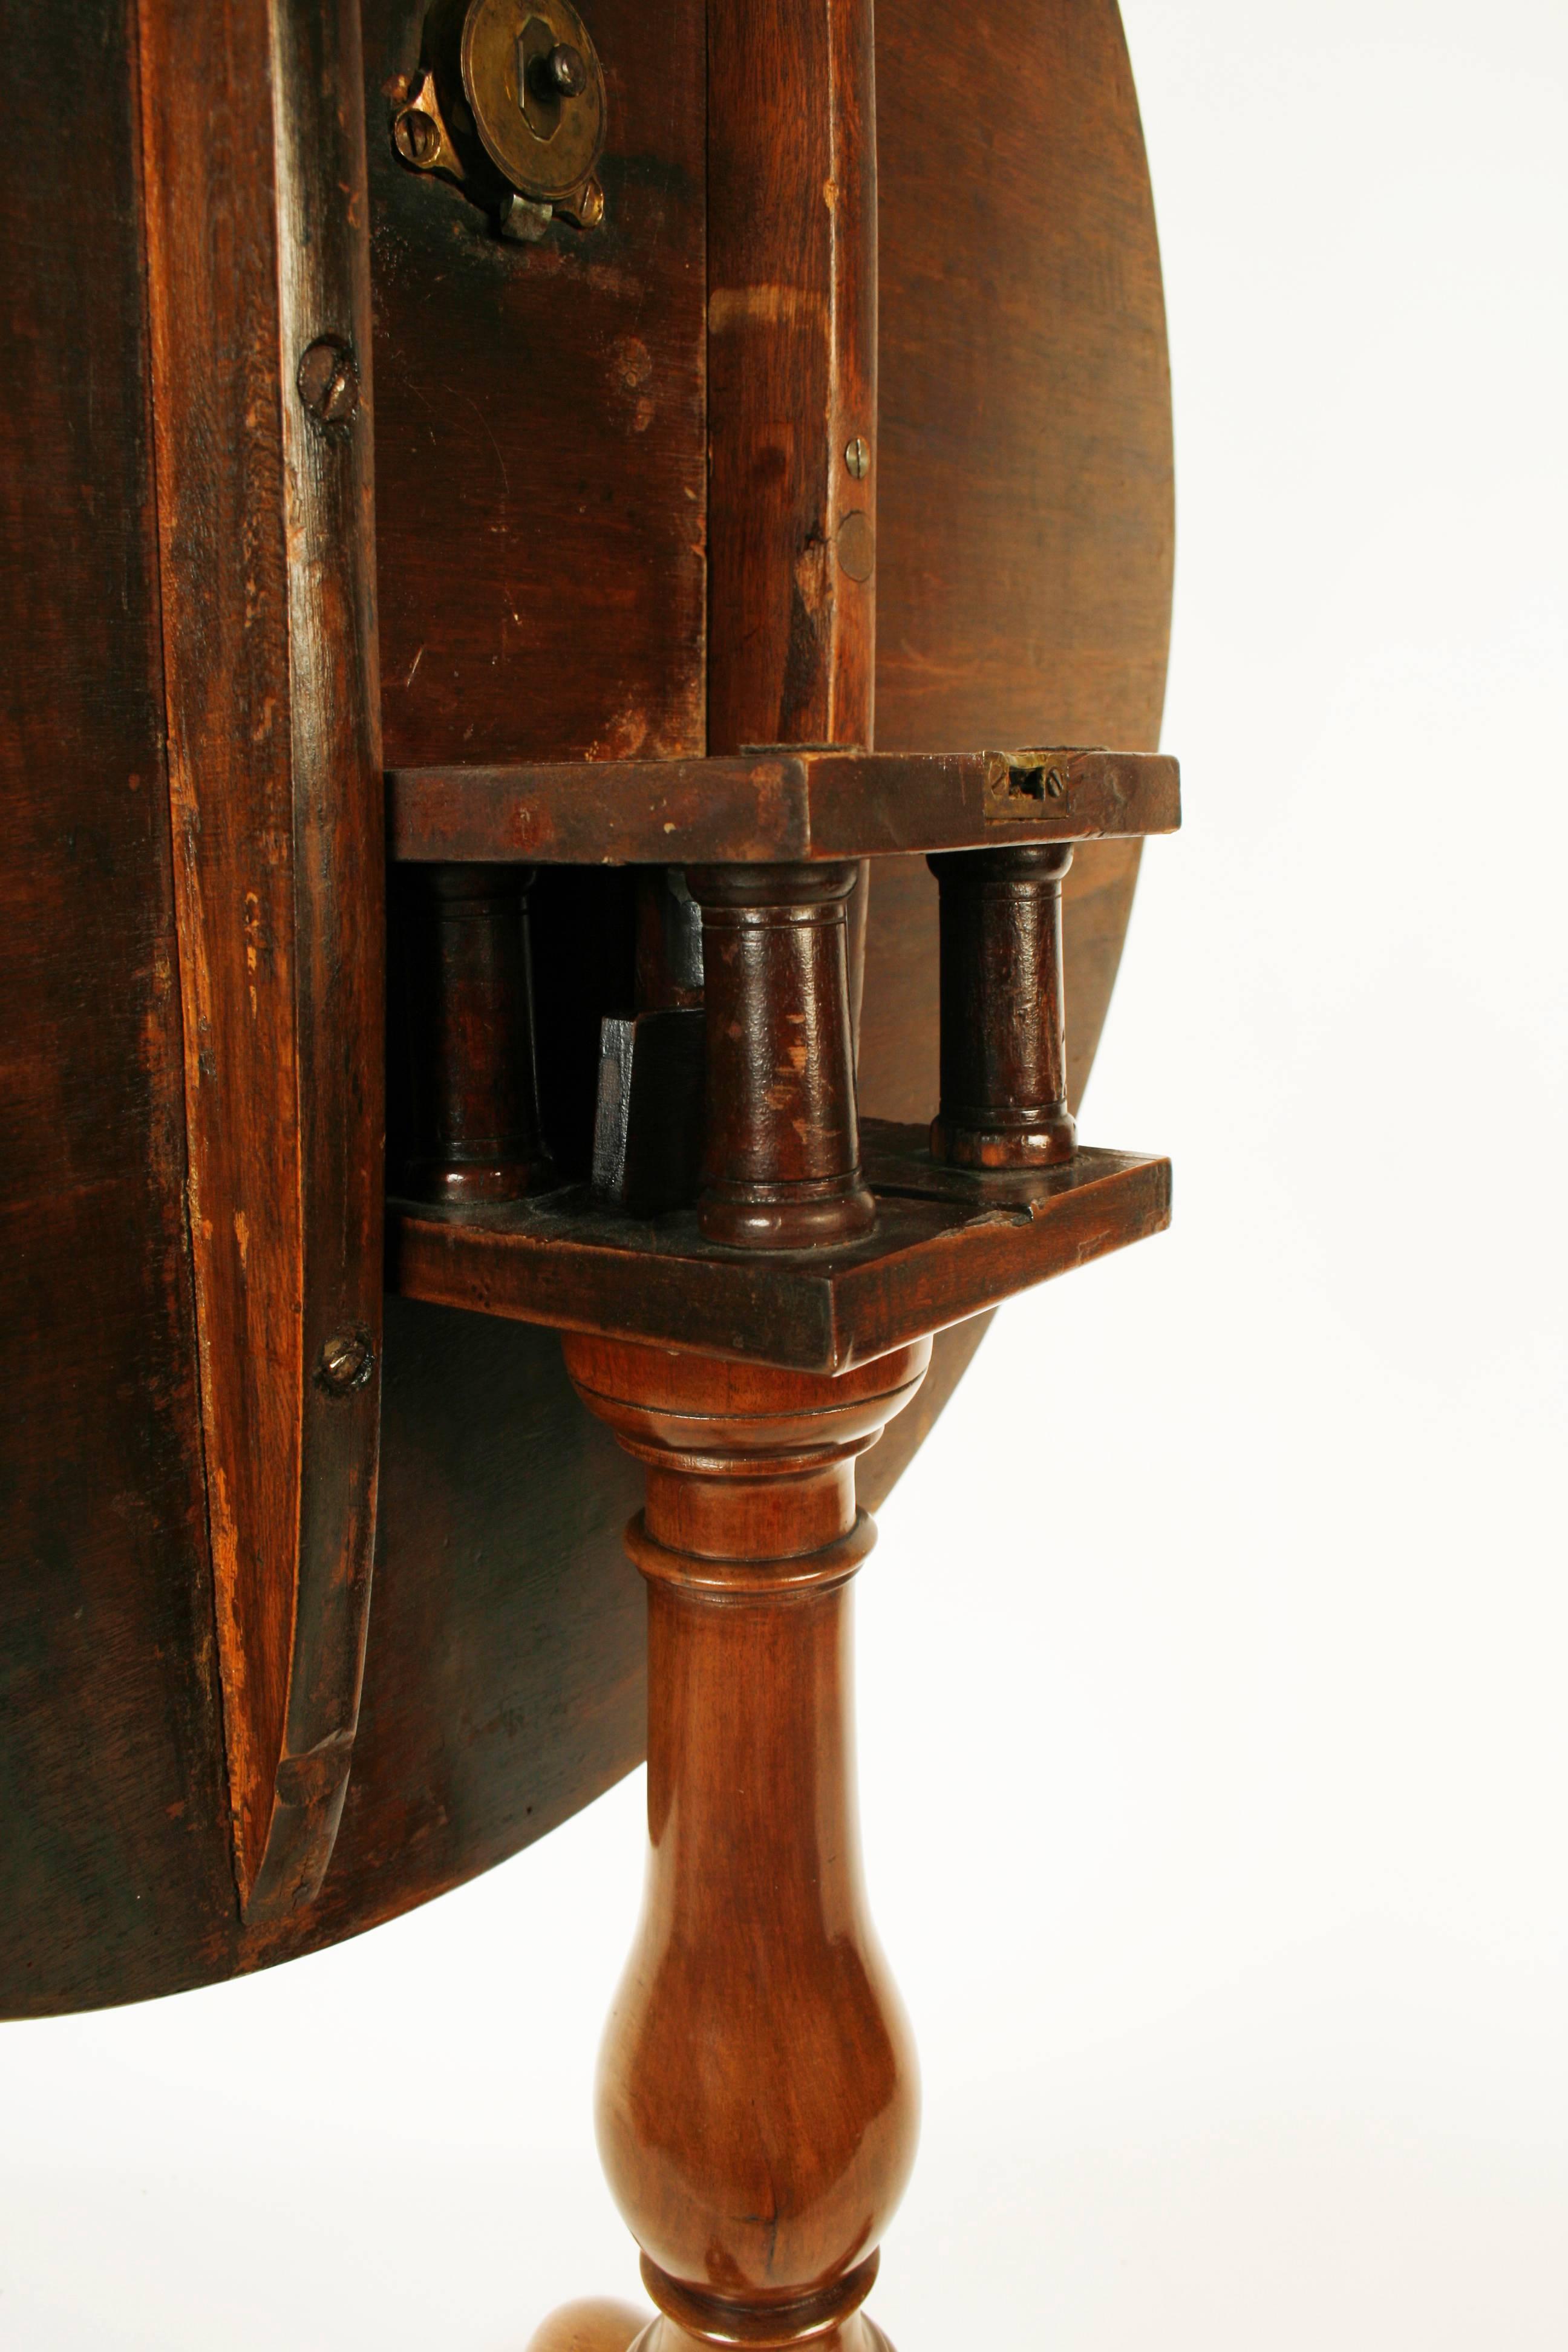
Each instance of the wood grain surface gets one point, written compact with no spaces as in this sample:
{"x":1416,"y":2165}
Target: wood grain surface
{"x":115,"y":1838}
{"x":541,"y":476}
{"x":941,"y":1250}
{"x":1026,"y":504}
{"x":758,"y":2181}
{"x":267,"y":564}
{"x":778,"y":807}
{"x":539,"y":419}
{"x":792,"y":373}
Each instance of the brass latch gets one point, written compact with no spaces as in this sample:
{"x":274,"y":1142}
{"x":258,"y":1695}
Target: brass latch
{"x":509,"y":102}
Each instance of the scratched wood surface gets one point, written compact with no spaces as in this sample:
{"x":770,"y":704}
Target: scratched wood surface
{"x":1022,"y":520}
{"x":266,"y":571}
{"x":114,"y":1841}
{"x":792,"y":374}
{"x":539,"y":460}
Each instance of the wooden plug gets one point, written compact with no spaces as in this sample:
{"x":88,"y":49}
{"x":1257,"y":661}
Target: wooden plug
{"x":757,"y":2091}
{"x":781,"y":1166}
{"x":1003,"y":1032}
{"x":473,"y":1085}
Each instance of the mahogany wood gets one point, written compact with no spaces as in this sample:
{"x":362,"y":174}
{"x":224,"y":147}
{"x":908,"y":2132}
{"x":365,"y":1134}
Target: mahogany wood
{"x":473,"y":1127}
{"x":779,"y":806}
{"x":946,"y":1245}
{"x":781,"y":1166}
{"x":1022,"y":483}
{"x":1003,"y":1029}
{"x":1026,"y":509}
{"x":267,"y":556}
{"x":115,"y":1847}
{"x":740,"y":2085}
{"x":757,"y":2096}
{"x":540,"y":475}
{"x":1026,"y":515}
{"x":792,"y":373}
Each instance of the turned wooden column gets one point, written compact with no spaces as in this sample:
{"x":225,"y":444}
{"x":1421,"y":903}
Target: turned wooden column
{"x":758,"y":2098}
{"x":473,"y":1085}
{"x":781,"y":1167}
{"x":1003,"y":1029}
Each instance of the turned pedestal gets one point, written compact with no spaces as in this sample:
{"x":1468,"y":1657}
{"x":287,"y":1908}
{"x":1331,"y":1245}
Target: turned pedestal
{"x":757,"y":2099}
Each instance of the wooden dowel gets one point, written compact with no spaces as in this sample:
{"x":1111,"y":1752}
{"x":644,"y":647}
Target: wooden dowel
{"x":782,"y":1149}
{"x":1004,"y":1031}
{"x":473,"y":1083}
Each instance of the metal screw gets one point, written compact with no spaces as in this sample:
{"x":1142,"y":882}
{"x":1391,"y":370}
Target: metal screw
{"x":329,"y":382}
{"x":1054,"y":784}
{"x":566,"y":70}
{"x":857,"y":457}
{"x":586,"y":208}
{"x":415,"y":138}
{"x":347,"y":1363}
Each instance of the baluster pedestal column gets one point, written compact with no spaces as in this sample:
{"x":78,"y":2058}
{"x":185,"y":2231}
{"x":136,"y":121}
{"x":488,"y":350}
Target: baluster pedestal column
{"x":758,"y":2101}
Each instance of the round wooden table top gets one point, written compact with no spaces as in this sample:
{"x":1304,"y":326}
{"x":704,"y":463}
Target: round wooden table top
{"x":1025,"y":518}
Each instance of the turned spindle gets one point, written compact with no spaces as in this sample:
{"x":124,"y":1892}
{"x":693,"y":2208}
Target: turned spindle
{"x":473,"y":1085}
{"x":757,"y":2096}
{"x":1004,"y":1034}
{"x":781,"y":1164}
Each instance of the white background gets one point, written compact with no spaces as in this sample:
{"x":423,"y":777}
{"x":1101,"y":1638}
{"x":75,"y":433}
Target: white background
{"x":1215,"y":1750}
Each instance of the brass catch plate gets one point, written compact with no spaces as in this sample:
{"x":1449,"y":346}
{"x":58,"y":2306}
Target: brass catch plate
{"x":535,"y":88}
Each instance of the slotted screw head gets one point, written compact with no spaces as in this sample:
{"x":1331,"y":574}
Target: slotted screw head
{"x":857,"y":457}
{"x":415,"y":137}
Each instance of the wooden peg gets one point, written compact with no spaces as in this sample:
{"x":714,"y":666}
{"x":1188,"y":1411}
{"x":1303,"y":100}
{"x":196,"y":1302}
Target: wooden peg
{"x":757,"y":2099}
{"x":1003,"y":1032}
{"x":473,"y":1083}
{"x":782,"y":1153}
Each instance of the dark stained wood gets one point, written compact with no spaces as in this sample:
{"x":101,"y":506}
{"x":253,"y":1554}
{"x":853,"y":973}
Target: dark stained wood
{"x":780,"y":1159}
{"x":759,"y":2181}
{"x":1026,"y":505}
{"x":541,"y":486}
{"x":1004,"y":1038}
{"x":500,"y":1694}
{"x":792,"y":372}
{"x":1023,"y":573}
{"x":781,"y":807}
{"x":115,"y":1838}
{"x":1026,"y":514}
{"x":268,"y":577}
{"x":472,"y":1130}
{"x":943,"y":1250}
{"x":504,"y":1672}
